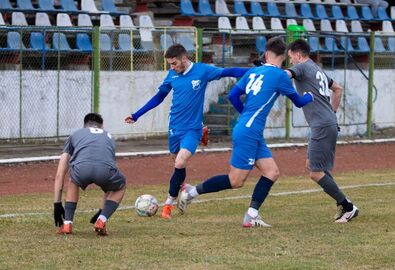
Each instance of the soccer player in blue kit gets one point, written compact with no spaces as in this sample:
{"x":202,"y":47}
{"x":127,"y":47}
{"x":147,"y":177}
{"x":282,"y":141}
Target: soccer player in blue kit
{"x":188,"y":81}
{"x":262,"y":86}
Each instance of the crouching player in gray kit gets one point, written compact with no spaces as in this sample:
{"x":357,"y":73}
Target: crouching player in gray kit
{"x":321,"y":117}
{"x":89,"y":153}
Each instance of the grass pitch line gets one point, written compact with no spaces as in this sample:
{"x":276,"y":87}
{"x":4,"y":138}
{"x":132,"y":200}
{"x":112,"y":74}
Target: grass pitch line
{"x":206,"y":150}
{"x":276,"y":194}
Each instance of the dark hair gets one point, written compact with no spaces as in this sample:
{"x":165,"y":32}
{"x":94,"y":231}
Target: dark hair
{"x":175,"y":50}
{"x":276,"y":45}
{"x":301,"y":46}
{"x":92,"y":119}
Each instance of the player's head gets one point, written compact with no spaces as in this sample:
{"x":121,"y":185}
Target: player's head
{"x":177,"y":57}
{"x":275,"y":51}
{"x":93,"y":120}
{"x":298,"y":51}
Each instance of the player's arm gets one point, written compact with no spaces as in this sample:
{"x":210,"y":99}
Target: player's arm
{"x":234,"y":72}
{"x":234,"y":97}
{"x":152,"y":103}
{"x":337,"y":92}
{"x":63,"y":166}
{"x":286,"y":88}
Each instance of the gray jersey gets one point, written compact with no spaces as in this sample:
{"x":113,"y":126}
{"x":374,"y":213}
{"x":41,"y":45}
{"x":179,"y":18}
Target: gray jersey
{"x":309,"y":77}
{"x":91,"y":145}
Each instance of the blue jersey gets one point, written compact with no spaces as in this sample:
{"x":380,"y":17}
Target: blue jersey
{"x":262,"y":86}
{"x":186,"y":110}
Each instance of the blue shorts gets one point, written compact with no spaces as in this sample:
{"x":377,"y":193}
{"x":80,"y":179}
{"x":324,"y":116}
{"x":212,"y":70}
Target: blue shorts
{"x":186,"y":139}
{"x":247,"y":149}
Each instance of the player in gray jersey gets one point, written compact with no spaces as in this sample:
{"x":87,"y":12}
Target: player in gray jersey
{"x":321,"y":117}
{"x":89,"y":155}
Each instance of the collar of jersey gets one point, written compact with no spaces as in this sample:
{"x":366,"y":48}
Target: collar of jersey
{"x":188,"y":69}
{"x":270,"y":65}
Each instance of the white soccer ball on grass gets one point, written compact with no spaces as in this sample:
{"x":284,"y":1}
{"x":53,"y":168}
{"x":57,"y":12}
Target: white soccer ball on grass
{"x":146,"y":205}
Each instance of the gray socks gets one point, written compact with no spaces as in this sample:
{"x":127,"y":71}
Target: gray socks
{"x":330,"y":187}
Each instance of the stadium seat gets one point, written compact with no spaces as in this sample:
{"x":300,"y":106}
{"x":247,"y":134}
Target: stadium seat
{"x":321,"y":12}
{"x":382,"y":14}
{"x":125,"y":21}
{"x":187,"y":8}
{"x":18,"y":18}
{"x":84,"y":20}
{"x":290,"y":10}
{"x":146,"y":28}
{"x":291,"y":22}
{"x":330,"y":45}
{"x":46,"y":5}
{"x":314,"y":43}
{"x":69,"y":6}
{"x":341,"y":26}
{"x":221,"y":8}
{"x":332,"y":2}
{"x":1,"y":19}
{"x":309,"y":25}
{"x":366,"y":13}
{"x":256,"y":9}
{"x":356,"y":26}
{"x":352,"y":13}
{"x":305,"y":11}
{"x":346,"y":44}
{"x":275,"y":24}
{"x":24,"y":5}
{"x":14,"y":41}
{"x":109,"y":6}
{"x":205,"y":8}
{"x":348,"y":2}
{"x":391,"y":44}
{"x":393,"y":12}
{"x":105,"y":43}
{"x":187,"y":42}
{"x":37,"y":41}
{"x":42,"y":19}
{"x":106,"y":21}
{"x":362,"y":45}
{"x":63,"y":19}
{"x":258,"y":24}
{"x":387,"y":27}
{"x":6,"y":5}
{"x":60,"y":43}
{"x":326,"y":26}
{"x":165,"y":41}
{"x":224,"y":25}
{"x":378,"y":45}
{"x":272,"y":10}
{"x":260,"y":45}
{"x":242,"y":25}
{"x":124,"y":42}
{"x":239,"y":8}
{"x":337,"y":13}
{"x":83,"y":42}
{"x":89,"y":6}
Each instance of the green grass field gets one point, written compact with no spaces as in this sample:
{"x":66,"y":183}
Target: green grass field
{"x":210,"y":235}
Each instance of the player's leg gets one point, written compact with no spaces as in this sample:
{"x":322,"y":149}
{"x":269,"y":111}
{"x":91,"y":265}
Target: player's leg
{"x":184,"y":143}
{"x":69,"y":208}
{"x":321,"y":154}
{"x":269,"y":174}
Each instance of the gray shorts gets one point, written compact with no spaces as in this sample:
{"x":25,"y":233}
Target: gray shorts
{"x":321,"y":148}
{"x":105,"y":176}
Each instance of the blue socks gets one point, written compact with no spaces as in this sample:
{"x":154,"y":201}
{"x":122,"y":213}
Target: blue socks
{"x":176,"y":181}
{"x":214,"y":184}
{"x":261,"y":191}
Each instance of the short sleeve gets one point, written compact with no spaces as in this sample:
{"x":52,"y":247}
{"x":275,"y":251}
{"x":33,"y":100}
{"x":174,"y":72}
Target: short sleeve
{"x":68,"y":146}
{"x":297,"y":71}
{"x":285,"y":86}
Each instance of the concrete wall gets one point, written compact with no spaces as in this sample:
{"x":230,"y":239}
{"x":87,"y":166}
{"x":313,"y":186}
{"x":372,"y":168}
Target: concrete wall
{"x":35,"y":103}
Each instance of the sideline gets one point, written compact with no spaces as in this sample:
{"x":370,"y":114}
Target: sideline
{"x":276,"y":194}
{"x":207,"y":150}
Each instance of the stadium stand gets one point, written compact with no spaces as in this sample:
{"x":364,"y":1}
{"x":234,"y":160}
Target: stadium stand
{"x":125,"y":21}
{"x":258,"y":24}
{"x":63,"y":19}
{"x":337,"y":13}
{"x":275,"y":24}
{"x":5,"y":5}
{"x":18,"y":18}
{"x":260,"y":44}
{"x":84,"y":20}
{"x":256,"y":9}
{"x":224,"y":25}
{"x":60,"y":43}
{"x":187,"y":8}
{"x":305,"y":12}
{"x":352,"y":13}
{"x":272,"y":10}
{"x":221,"y":8}
{"x":14,"y":41}
{"x":309,"y":25}
{"x":42,"y":19}
{"x":187,"y":42}
{"x":291,"y":22}
{"x":105,"y":43}
{"x":25,"y":5}
{"x":106,"y":21}
{"x":1,"y":19}
{"x":290,"y":10}
{"x":242,"y":25}
{"x":240,"y":9}
{"x":37,"y":42}
{"x":165,"y":41}
{"x":83,"y":43}
{"x":46,"y":5}
{"x":109,"y":6}
{"x":321,"y":12}
{"x":341,"y":26}
{"x":89,"y":6}
{"x":69,"y":6}
{"x":205,"y":8}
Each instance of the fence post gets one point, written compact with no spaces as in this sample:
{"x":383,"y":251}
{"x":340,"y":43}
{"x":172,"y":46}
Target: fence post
{"x":199,"y":44}
{"x":370,"y":85}
{"x":96,"y":68}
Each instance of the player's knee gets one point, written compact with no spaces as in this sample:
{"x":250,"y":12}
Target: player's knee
{"x":315,"y":176}
{"x":180,"y":163}
{"x":236,"y":182}
{"x":273,"y":174}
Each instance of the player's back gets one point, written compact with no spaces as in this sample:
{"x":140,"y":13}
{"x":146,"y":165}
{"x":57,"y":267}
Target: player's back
{"x":310,"y":77}
{"x":91,"y":145}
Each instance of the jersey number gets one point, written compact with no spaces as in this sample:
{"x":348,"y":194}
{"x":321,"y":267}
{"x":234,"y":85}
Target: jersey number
{"x":323,"y":81}
{"x":96,"y":130}
{"x":254,"y":84}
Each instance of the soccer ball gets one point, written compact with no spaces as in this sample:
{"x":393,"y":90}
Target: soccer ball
{"x":146,"y":205}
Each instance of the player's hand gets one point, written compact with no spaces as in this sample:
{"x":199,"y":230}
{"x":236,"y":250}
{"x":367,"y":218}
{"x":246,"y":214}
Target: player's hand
{"x":129,"y":119}
{"x":58,"y":213}
{"x":338,"y":128}
{"x":95,"y":216}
